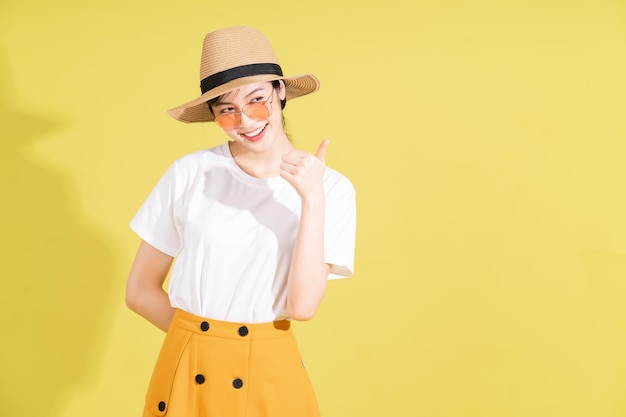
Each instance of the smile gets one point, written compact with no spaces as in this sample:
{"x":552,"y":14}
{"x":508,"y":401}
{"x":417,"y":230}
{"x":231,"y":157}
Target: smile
{"x":254,"y":134}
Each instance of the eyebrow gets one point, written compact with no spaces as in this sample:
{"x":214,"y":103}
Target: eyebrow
{"x":219,"y":103}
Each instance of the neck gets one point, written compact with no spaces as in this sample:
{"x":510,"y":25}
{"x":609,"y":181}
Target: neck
{"x":261,"y":164}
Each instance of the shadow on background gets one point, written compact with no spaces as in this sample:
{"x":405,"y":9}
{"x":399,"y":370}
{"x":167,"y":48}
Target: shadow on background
{"x":56,"y":274}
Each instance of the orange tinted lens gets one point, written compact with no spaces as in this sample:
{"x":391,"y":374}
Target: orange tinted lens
{"x":228,"y":121}
{"x":257,"y":111}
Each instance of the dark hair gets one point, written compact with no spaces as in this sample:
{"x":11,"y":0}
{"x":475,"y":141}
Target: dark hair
{"x":275,"y":85}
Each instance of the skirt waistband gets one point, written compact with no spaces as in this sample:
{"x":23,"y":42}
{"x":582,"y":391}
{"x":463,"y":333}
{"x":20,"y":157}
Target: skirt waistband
{"x":226,"y":329}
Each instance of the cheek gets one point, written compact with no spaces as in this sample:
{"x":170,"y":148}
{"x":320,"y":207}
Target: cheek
{"x":277,"y":120}
{"x":277,"y":114}
{"x":232,"y":134}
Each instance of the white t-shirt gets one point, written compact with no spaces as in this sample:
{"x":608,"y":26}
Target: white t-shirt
{"x":233,"y":235}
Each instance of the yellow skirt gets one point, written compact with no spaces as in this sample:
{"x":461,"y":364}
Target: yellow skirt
{"x":211,"y":368}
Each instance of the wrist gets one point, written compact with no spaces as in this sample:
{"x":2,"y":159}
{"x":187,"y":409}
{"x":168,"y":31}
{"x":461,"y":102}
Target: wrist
{"x":314,"y":202}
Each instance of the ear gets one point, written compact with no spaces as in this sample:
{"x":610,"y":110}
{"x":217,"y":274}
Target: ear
{"x":282,"y":91}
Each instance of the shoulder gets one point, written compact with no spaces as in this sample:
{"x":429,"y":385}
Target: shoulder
{"x":188,"y":169}
{"x":200,"y":160}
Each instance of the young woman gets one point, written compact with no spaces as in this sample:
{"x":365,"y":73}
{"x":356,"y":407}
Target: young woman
{"x":256,"y":228}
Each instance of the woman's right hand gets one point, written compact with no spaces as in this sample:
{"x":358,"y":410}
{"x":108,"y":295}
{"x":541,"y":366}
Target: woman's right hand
{"x":305,"y":172}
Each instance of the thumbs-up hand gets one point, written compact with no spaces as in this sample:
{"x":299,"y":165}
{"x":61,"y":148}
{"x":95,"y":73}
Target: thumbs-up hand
{"x":305,"y":172}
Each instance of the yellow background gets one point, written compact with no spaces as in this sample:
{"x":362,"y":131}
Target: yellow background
{"x":486,"y":140}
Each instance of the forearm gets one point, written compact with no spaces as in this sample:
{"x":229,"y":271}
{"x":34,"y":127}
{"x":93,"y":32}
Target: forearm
{"x":308,"y":273}
{"x":153,"y":304}
{"x":144,"y":289}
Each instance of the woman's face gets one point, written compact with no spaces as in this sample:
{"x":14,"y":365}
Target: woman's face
{"x":251,"y":115}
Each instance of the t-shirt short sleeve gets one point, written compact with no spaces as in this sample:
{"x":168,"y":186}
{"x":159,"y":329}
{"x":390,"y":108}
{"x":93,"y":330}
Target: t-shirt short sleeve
{"x":340,"y":227}
{"x":160,"y":221}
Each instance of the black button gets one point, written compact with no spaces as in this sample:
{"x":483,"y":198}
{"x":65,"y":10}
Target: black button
{"x":200,"y":379}
{"x":204,"y":326}
{"x":237,"y":383}
{"x":243,"y":331}
{"x":162,"y":406}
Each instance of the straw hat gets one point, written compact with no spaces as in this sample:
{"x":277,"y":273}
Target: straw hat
{"x":231,"y":58}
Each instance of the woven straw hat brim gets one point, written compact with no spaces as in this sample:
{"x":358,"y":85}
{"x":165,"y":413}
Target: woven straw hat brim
{"x":198,"y":111}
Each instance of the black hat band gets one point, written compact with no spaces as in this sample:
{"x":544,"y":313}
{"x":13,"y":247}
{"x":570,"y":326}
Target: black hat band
{"x":230,"y":74}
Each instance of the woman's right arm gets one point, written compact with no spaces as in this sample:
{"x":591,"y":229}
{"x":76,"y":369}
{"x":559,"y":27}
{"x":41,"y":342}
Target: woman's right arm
{"x":144,"y":290}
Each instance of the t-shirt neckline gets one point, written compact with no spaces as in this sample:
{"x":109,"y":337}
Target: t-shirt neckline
{"x":243,"y":176}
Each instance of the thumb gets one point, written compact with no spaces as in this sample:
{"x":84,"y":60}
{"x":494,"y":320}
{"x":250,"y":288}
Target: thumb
{"x":321,"y":150}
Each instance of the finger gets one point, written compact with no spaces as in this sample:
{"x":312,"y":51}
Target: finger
{"x":294,"y":158}
{"x":289,"y":168}
{"x":290,"y":177}
{"x":321,"y":150}
{"x":286,"y":176}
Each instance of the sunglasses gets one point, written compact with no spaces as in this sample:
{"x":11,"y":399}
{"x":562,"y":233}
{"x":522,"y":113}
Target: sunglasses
{"x":259,"y":110}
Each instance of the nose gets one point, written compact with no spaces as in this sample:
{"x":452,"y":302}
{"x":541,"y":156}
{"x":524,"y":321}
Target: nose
{"x":244,"y":120}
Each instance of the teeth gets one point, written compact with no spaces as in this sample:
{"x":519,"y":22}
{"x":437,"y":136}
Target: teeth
{"x":255,"y":132}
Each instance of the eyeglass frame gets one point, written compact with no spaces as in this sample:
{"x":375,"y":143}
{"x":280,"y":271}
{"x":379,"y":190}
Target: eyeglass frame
{"x":269,"y":100}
